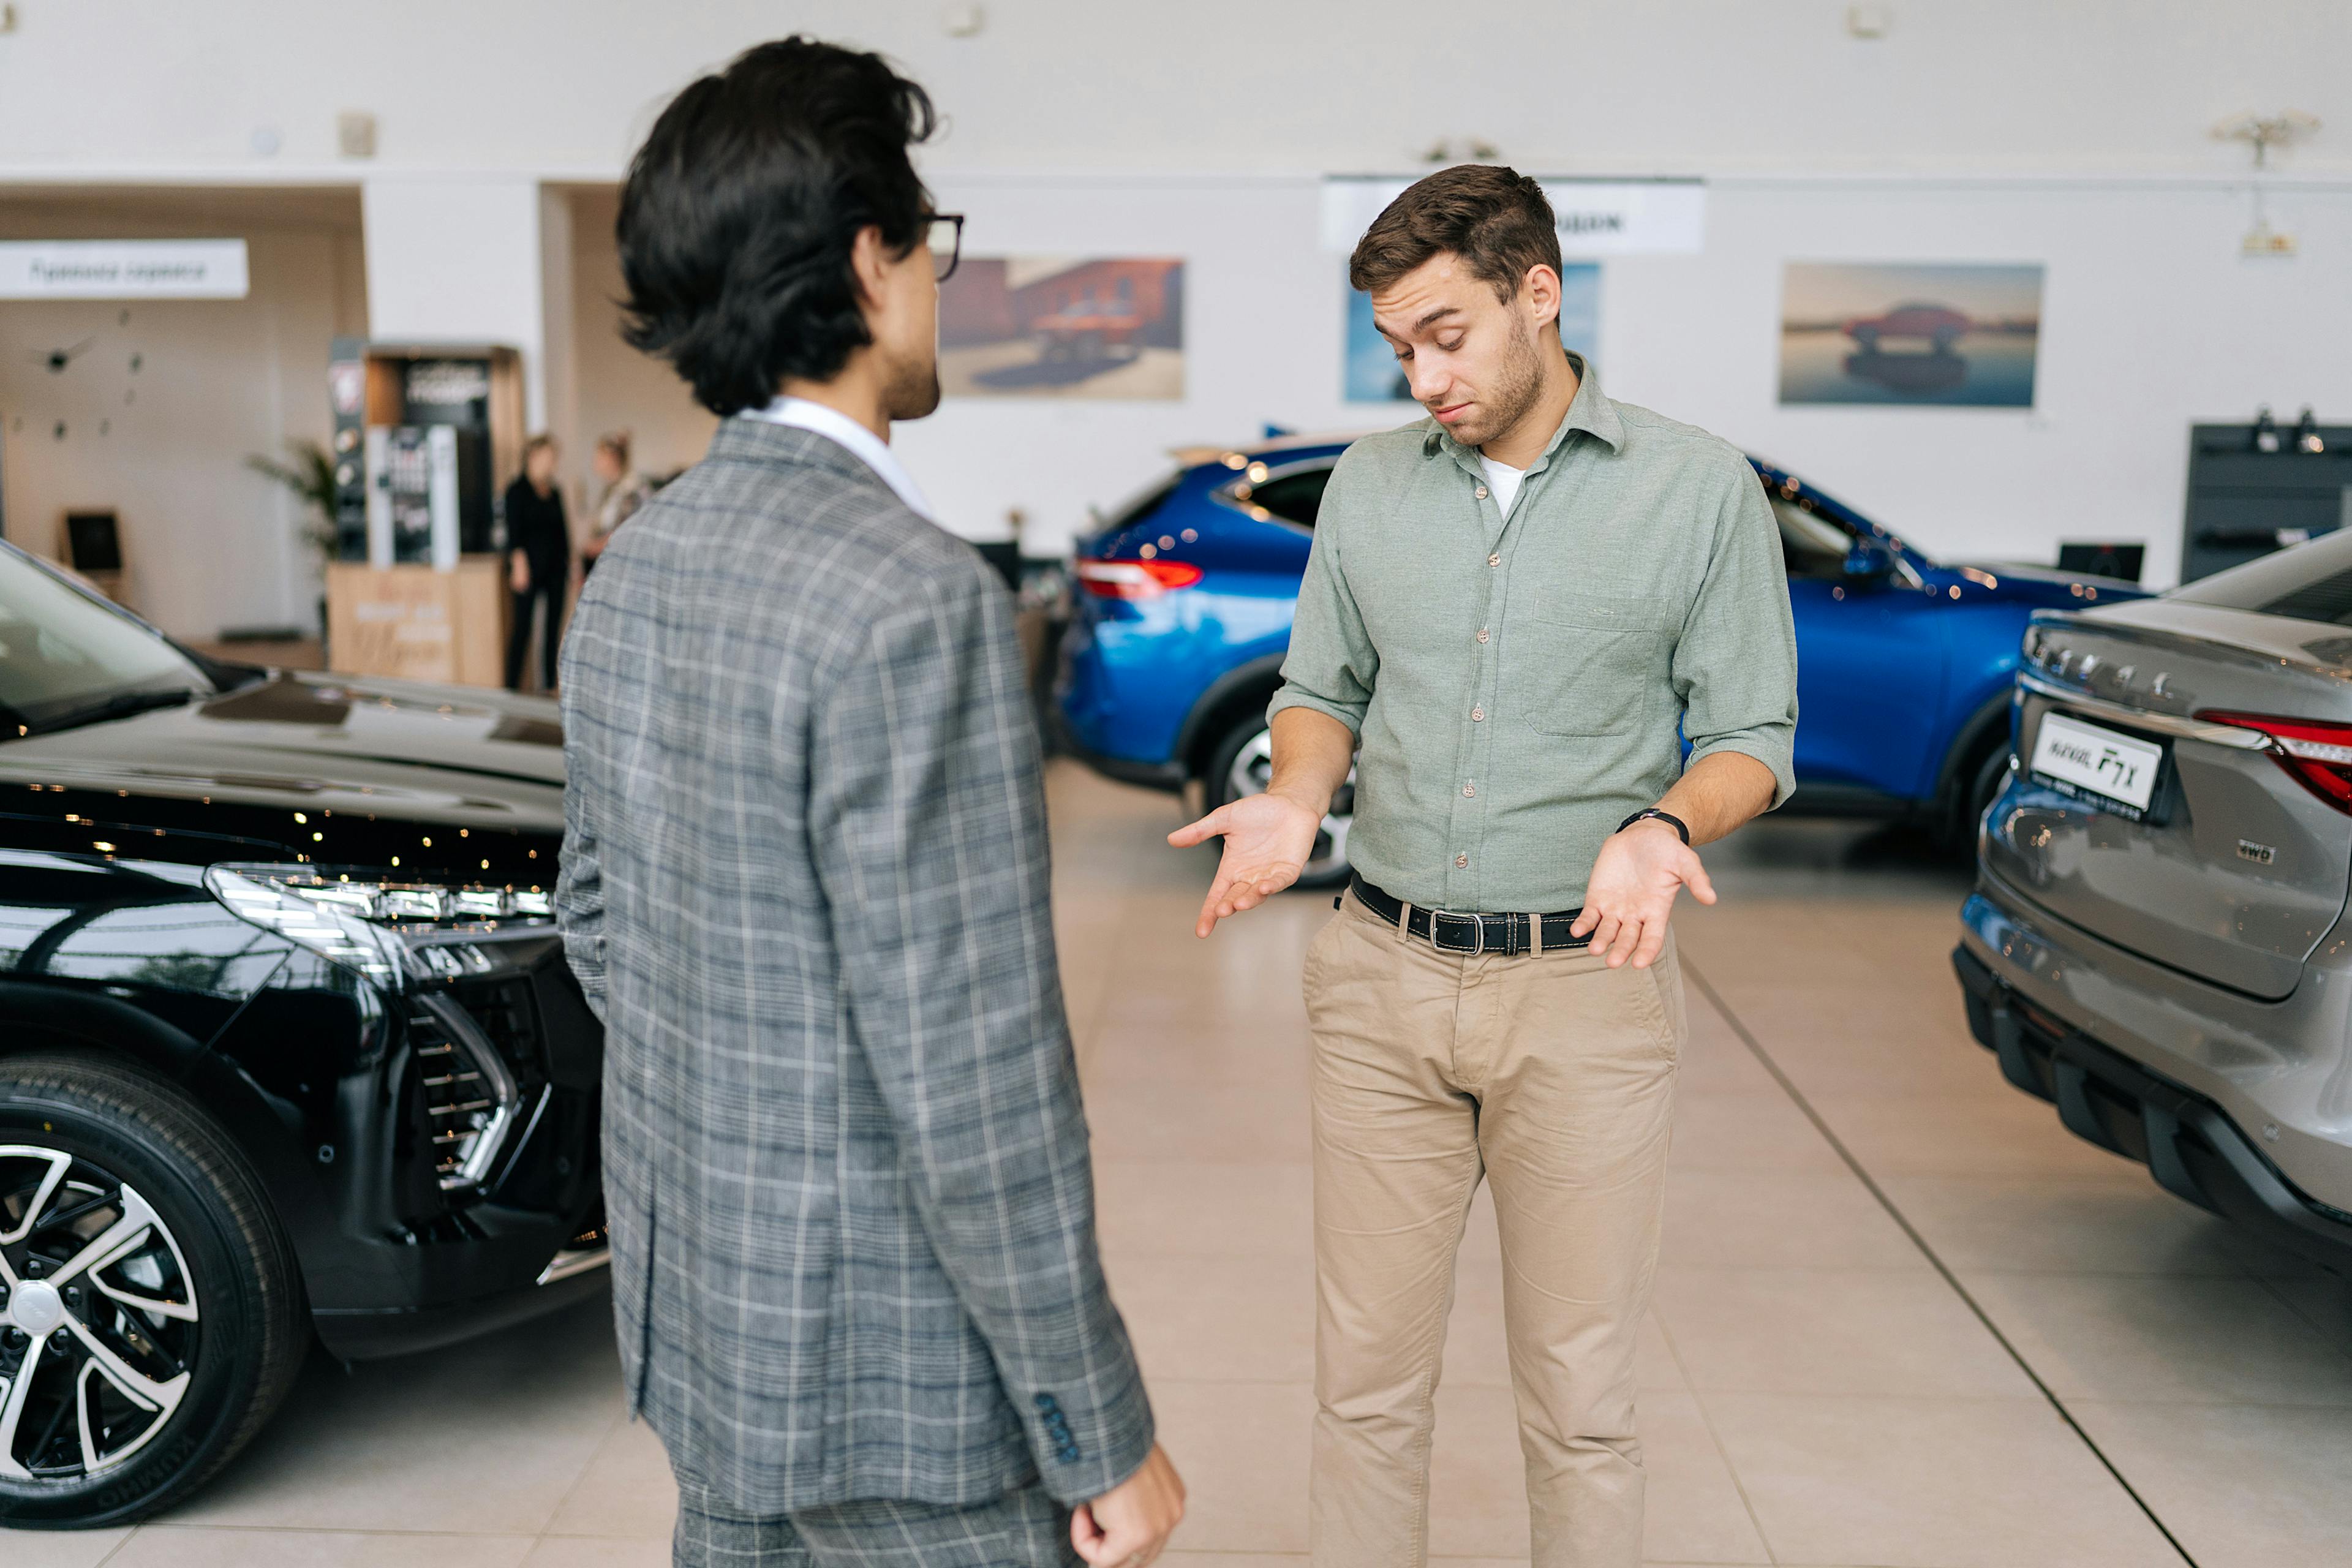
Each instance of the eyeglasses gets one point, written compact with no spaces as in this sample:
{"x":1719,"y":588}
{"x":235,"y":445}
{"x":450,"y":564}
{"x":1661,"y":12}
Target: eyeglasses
{"x":943,"y":232}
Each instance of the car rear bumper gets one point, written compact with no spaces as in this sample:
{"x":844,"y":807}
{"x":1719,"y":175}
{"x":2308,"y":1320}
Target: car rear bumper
{"x":2099,"y":1077}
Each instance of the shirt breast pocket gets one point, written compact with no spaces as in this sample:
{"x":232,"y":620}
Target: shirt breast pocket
{"x":1585,"y":665}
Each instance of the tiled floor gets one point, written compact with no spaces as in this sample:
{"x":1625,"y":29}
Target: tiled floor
{"x":1820,"y":1384}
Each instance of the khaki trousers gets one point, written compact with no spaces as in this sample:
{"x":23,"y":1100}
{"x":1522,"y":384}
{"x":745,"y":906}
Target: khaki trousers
{"x":1552,"y":1075}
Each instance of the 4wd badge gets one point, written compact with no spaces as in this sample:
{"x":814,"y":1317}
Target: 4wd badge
{"x":2260,"y":853}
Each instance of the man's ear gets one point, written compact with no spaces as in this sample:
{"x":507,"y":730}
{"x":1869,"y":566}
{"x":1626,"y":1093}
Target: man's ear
{"x":1541,"y":285}
{"x":869,"y":264}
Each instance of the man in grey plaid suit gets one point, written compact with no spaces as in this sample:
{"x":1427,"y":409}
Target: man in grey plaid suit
{"x":805,"y":883}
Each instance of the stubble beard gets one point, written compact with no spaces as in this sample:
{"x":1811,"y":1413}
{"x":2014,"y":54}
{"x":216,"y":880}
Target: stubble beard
{"x":1519,"y":387}
{"x":912,"y":390}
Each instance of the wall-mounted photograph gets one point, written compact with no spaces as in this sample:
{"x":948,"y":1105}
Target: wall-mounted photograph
{"x":1943,"y":334}
{"x":1059,"y":326}
{"x":1372,"y":373}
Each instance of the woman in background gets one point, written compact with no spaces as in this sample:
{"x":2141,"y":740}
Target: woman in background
{"x":626,"y":490}
{"x":538,"y":560}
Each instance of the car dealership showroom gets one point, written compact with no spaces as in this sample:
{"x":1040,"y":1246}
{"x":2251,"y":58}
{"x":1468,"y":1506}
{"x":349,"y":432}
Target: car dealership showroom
{"x":681,"y":885}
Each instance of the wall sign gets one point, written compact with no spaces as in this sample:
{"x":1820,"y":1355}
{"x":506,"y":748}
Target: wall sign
{"x":1595,"y":217}
{"x":122,"y":269}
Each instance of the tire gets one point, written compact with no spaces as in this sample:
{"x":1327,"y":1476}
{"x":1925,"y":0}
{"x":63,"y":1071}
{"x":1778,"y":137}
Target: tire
{"x":1239,"y":766}
{"x":1984,"y":780}
{"x":223,"y":1330}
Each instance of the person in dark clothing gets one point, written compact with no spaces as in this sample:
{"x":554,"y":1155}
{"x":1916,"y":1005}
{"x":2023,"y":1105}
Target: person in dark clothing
{"x":538,"y":559}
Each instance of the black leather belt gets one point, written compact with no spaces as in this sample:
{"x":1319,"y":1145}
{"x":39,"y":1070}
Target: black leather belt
{"x":1510,"y":935}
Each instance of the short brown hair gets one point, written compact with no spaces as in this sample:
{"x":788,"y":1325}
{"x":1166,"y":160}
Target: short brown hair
{"x":1496,"y":219}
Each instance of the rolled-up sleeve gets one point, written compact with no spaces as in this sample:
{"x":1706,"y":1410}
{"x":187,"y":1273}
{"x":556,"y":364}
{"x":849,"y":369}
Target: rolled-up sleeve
{"x":1332,"y":664}
{"x":1735,"y":671}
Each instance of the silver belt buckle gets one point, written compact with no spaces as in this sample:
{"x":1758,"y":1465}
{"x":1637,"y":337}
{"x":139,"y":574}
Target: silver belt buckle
{"x":1477,"y":924}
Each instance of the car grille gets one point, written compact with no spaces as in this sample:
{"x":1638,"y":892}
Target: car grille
{"x":466,"y":1092}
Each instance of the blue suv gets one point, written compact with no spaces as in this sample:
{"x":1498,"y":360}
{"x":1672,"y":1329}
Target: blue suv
{"x":1184,"y":599}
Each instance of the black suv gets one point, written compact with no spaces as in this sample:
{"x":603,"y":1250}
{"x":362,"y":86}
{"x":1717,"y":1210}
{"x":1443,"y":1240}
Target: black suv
{"x":287,"y":1047}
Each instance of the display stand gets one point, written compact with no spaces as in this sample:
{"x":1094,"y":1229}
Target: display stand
{"x":420,"y":623}
{"x":427,"y":436}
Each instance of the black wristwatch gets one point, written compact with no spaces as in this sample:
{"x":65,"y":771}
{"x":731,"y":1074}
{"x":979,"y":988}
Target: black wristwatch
{"x":1668,"y":818}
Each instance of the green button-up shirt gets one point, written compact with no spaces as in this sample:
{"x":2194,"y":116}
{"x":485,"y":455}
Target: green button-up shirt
{"x":1517,"y":682}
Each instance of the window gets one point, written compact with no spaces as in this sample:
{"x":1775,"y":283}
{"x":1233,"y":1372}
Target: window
{"x":1295,"y":497}
{"x":1811,"y":545}
{"x":61,"y":652}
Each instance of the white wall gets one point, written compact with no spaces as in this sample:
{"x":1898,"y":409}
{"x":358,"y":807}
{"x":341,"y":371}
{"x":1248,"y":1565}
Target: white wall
{"x":208,"y":544}
{"x":2151,"y":319}
{"x":549,"y":86}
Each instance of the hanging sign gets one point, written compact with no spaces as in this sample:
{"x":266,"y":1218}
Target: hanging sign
{"x":122,"y":269}
{"x":1595,"y":217}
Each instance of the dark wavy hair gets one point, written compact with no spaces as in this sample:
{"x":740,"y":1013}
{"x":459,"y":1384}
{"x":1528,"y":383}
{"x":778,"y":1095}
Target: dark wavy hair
{"x":1497,"y":220}
{"x":740,"y":209}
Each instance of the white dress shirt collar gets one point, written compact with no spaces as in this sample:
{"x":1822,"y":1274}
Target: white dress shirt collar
{"x":844,"y":431}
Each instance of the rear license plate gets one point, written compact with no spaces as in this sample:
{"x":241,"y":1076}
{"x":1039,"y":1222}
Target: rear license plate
{"x":2094,"y":763}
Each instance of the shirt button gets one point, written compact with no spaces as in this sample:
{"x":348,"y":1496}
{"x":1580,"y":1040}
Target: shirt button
{"x":1494,"y":560}
{"x":1460,"y":861}
{"x":1481,"y":492}
{"x":1482,"y":634}
{"x":1477,"y":715}
{"x":1470,"y":790}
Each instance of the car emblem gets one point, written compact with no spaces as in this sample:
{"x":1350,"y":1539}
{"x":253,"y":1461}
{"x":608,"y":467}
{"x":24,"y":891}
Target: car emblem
{"x":2260,"y":853}
{"x":2157,"y":688}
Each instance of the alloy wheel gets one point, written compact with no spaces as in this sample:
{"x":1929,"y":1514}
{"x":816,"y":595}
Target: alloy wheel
{"x":99,"y":1322}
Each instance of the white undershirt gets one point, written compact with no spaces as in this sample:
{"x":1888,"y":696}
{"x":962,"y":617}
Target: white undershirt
{"x":1504,"y":480}
{"x":843,"y":431}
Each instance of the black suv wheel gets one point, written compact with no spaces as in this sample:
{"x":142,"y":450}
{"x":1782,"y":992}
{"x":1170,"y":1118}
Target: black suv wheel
{"x":152,"y":1317}
{"x":1241,"y":765}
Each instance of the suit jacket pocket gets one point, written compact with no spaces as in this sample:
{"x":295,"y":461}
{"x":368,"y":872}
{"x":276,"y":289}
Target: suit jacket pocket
{"x":1583,"y":665}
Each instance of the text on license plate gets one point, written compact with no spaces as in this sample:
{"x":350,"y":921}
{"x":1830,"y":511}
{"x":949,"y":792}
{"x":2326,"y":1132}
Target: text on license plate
{"x":2094,"y":758}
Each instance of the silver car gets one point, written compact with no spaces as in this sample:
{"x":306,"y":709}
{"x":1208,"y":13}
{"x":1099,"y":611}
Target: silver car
{"x":2157,"y":940}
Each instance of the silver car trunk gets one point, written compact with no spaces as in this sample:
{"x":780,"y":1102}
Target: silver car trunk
{"x":2238,"y":868}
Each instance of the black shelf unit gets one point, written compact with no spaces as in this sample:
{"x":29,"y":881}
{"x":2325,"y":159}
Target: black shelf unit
{"x":2244,"y":504}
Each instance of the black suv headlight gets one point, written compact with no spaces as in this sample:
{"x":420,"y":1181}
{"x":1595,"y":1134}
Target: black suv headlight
{"x":368,"y":924}
{"x":418,"y":940}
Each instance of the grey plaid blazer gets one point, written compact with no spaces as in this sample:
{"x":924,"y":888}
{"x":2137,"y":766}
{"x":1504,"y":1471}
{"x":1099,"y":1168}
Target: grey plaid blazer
{"x":805,"y":884}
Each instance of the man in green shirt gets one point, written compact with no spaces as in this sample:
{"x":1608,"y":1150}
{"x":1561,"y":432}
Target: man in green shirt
{"x":1518,"y":609}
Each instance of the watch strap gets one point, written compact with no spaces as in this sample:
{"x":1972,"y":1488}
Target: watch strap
{"x":1668,"y":818}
